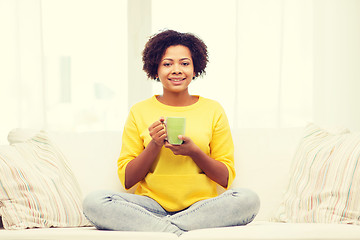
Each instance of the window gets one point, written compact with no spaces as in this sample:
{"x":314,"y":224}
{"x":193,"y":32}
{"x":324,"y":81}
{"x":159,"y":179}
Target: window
{"x":85,"y":62}
{"x":260,"y":53}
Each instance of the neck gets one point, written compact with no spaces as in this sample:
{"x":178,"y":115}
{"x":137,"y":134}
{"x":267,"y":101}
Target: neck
{"x":177,"y":99}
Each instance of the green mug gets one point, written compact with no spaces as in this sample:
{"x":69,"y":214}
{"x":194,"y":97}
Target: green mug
{"x":175,"y":126}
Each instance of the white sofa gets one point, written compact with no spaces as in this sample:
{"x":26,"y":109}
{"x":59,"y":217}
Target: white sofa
{"x":263,"y":158}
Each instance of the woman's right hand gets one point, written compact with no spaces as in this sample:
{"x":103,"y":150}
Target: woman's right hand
{"x":138,"y":168}
{"x":157,"y":132}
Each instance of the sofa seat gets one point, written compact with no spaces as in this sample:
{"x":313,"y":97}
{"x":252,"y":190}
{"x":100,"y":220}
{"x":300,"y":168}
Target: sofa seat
{"x":81,"y":233}
{"x":278,"y":231}
{"x":258,"y":230}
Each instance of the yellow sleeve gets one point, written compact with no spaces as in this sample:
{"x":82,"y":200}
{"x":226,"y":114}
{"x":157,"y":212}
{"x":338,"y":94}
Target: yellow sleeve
{"x":222,"y":146}
{"x":132,"y":146}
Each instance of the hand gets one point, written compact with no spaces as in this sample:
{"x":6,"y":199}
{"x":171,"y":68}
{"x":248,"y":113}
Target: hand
{"x":157,"y":132}
{"x":215,"y":170}
{"x":187,"y":148}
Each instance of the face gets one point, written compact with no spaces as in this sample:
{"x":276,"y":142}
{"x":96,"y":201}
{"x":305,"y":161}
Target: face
{"x":176,"y":69}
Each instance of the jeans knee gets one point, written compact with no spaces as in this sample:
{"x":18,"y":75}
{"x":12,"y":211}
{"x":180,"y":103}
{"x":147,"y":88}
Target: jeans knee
{"x":94,"y":201}
{"x":254,"y":199}
{"x":249,"y":198}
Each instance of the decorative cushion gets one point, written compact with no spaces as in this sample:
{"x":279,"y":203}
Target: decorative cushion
{"x":37,"y":186}
{"x":324,"y":184}
{"x":19,"y":135}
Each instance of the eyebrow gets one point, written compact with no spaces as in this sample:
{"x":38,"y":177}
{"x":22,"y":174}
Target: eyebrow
{"x":182,"y":59}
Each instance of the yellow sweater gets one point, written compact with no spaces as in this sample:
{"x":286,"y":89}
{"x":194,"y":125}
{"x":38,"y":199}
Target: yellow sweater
{"x":176,"y":182}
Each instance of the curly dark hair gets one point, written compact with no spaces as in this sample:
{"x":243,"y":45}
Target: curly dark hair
{"x":158,"y":43}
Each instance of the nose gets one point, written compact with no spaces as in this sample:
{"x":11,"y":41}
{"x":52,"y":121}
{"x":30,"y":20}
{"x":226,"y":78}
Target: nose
{"x":177,"y":69}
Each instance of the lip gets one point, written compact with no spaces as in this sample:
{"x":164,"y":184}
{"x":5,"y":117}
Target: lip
{"x":176,"y":81}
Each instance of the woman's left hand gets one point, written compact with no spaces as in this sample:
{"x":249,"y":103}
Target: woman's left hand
{"x":215,"y":170}
{"x":187,"y":148}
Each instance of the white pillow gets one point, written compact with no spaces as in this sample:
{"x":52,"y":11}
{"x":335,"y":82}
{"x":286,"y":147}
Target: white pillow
{"x":37,"y":186}
{"x":324,"y":185}
{"x":19,"y":135}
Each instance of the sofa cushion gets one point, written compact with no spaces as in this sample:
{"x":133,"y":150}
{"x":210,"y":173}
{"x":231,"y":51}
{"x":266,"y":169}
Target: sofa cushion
{"x":92,"y":155}
{"x":324,"y":185}
{"x":37,"y":186}
{"x":83,"y":233}
{"x":19,"y":135}
{"x":260,"y":230}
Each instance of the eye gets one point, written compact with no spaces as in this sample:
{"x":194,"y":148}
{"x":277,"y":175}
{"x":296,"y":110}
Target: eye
{"x":166,"y":64}
{"x":186,"y":63}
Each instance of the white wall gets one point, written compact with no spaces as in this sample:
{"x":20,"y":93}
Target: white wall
{"x":337,"y":63}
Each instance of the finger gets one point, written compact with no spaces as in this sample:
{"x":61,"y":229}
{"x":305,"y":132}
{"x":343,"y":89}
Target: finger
{"x":184,"y":138}
{"x":158,"y":137}
{"x":155,"y":124}
{"x":159,"y":128}
{"x":167,"y":144}
{"x":156,"y":127}
{"x":170,"y":146}
{"x":160,"y":134}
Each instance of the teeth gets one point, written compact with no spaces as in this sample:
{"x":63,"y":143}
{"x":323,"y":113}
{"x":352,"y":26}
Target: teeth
{"x":176,"y":80}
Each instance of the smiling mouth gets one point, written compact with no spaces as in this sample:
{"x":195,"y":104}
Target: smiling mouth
{"x":177,"y":79}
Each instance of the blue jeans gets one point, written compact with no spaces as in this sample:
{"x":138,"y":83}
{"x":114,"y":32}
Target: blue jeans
{"x":130,"y":212}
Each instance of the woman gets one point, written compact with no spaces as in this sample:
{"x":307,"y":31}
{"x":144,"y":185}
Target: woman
{"x":177,"y":184}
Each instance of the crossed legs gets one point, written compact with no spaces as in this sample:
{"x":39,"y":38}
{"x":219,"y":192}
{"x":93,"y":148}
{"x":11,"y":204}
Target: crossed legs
{"x":130,"y":212}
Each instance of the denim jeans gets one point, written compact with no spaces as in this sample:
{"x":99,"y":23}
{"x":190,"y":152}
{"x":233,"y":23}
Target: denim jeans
{"x":130,"y":212}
